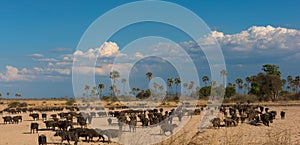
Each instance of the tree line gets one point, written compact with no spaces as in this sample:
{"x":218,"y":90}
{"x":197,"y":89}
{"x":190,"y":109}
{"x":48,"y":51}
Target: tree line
{"x":266,"y":85}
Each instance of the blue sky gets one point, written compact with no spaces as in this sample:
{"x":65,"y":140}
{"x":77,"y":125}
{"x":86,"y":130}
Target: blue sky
{"x":38,"y":38}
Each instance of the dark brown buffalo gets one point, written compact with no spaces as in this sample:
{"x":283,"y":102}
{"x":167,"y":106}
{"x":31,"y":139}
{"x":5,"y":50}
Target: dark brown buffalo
{"x":17,"y":119}
{"x":68,"y":136}
{"x":35,"y":116}
{"x":282,"y":114}
{"x":42,"y":140}
{"x":34,"y":126}
{"x":216,"y":122}
{"x":44,"y":116}
{"x":7,"y":119}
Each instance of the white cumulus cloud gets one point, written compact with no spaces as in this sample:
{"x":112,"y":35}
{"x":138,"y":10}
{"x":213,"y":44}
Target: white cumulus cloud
{"x":13,"y":74}
{"x":37,"y":55}
{"x":108,"y":49}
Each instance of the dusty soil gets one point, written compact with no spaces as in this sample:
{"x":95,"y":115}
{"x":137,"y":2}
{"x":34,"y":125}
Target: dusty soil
{"x":285,"y":131}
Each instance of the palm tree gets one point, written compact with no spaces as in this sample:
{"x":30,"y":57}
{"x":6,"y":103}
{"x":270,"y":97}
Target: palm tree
{"x":248,"y":80}
{"x":123,"y":81}
{"x":239,"y":82}
{"x":161,"y":88}
{"x":117,"y":92}
{"x":223,"y":74}
{"x":230,"y":84}
{"x":112,"y":90}
{"x":0,"y":95}
{"x":155,"y":86}
{"x":93,"y":92}
{"x":191,"y":86}
{"x":101,"y":87}
{"x":213,"y":83}
{"x":170,"y":84}
{"x":87,"y":88}
{"x":245,"y":88}
{"x":293,"y":85}
{"x":138,"y":90}
{"x":7,"y":94}
{"x":133,"y":91}
{"x":283,"y":83}
{"x":289,"y":80}
{"x":198,"y":91}
{"x":114,"y":76}
{"x":297,"y":82}
{"x":177,"y":82}
{"x":205,"y":79}
{"x":185,"y":86}
{"x":18,"y":95}
{"x":234,"y":86}
{"x":149,"y":75}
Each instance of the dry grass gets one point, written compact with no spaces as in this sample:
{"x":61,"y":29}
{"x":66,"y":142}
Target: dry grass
{"x":229,"y":136}
{"x":278,"y":137}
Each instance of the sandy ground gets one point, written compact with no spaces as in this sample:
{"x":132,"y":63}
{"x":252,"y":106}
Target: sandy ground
{"x":285,"y":131}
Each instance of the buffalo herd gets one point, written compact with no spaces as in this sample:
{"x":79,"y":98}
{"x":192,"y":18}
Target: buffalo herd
{"x":255,"y":115}
{"x":72,"y":123}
